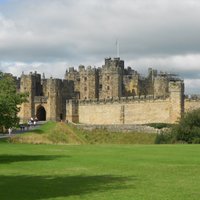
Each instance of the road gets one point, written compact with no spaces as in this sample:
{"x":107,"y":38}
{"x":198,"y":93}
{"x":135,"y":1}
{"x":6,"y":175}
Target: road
{"x":17,"y":132}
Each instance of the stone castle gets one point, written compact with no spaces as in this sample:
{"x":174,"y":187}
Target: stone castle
{"x":111,"y":94}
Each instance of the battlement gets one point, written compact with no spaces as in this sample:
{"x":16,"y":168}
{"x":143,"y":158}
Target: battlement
{"x":130,"y":99}
{"x":31,"y":75}
{"x":113,"y":63}
{"x":71,"y":69}
{"x":87,"y":70}
{"x":176,"y":85}
{"x":193,"y":97}
{"x":54,"y":81}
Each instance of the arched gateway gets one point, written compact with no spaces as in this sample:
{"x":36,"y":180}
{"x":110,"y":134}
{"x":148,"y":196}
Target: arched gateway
{"x":41,"y":113}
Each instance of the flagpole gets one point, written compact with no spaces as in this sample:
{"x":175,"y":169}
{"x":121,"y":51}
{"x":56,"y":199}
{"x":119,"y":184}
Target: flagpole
{"x":117,"y":48}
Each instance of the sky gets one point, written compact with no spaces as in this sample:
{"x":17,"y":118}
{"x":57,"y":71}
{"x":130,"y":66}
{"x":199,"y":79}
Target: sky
{"x":49,"y":36}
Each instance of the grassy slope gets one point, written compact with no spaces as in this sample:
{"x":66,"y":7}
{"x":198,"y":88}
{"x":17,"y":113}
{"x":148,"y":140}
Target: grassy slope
{"x":60,"y":133}
{"x":103,"y":172}
{"x":49,"y":133}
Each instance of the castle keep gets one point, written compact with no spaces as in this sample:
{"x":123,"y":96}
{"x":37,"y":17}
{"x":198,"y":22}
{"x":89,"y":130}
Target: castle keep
{"x":111,"y":94}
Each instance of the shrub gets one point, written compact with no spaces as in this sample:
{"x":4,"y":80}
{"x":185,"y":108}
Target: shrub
{"x":165,"y":137}
{"x":159,"y":125}
{"x":188,"y":128}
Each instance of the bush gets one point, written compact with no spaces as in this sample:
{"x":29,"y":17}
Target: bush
{"x":165,"y":137}
{"x":159,"y":125}
{"x":188,"y":128}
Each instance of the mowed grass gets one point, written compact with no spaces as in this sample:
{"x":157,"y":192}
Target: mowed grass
{"x":102,"y":172}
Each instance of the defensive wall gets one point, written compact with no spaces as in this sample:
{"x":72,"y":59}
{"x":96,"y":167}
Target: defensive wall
{"x":129,"y":110}
{"x":192,"y":104}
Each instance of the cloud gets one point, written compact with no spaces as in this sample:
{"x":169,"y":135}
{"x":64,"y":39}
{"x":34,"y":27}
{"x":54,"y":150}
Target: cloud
{"x":185,"y":65}
{"x":192,"y":86}
{"x":159,"y":33}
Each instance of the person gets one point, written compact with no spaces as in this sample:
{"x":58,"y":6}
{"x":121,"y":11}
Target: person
{"x":28,"y":125}
{"x":9,"y":131}
{"x":20,"y":126}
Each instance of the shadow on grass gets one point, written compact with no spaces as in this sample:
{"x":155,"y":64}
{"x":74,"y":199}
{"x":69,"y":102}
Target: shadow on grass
{"x":44,"y":187}
{"x":6,"y":159}
{"x":3,"y":140}
{"x":38,"y":131}
{"x":32,"y":130}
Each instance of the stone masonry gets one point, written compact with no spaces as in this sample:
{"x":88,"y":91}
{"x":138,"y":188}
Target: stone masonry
{"x":88,"y":95}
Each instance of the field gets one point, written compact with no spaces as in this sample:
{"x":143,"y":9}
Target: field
{"x":102,"y":172}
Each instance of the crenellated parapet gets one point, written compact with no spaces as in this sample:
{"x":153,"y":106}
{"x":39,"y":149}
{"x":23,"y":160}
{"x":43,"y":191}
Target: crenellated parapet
{"x":192,"y":97}
{"x":115,"y":100}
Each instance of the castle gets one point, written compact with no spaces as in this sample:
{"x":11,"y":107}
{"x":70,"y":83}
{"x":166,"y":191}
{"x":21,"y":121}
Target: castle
{"x":111,"y":94}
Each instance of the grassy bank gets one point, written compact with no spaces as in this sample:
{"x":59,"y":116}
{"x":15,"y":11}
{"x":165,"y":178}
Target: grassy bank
{"x":49,"y":133}
{"x":103,"y":136}
{"x":103,"y":172}
{"x":61,"y":133}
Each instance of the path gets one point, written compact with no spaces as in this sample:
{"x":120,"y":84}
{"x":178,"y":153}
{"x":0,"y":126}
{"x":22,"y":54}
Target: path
{"x":18,"y":131}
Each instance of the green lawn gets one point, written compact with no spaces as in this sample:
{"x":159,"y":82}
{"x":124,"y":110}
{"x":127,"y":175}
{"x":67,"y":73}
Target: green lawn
{"x":109,"y":172}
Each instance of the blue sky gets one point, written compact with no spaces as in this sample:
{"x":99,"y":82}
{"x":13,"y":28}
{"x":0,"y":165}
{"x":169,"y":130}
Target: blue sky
{"x":3,"y":1}
{"x":51,"y":35}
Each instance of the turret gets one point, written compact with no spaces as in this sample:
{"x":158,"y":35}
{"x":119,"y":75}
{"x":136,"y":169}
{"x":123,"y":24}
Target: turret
{"x":176,"y":89}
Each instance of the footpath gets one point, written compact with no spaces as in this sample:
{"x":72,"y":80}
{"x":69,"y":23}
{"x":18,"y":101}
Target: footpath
{"x":20,"y":131}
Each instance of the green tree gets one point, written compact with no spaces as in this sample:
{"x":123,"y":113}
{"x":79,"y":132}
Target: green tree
{"x":188,"y":128}
{"x":10,"y":100}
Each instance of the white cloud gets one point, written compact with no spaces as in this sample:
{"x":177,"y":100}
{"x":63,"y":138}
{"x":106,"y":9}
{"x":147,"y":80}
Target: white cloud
{"x":192,"y":86}
{"x":153,"y":33}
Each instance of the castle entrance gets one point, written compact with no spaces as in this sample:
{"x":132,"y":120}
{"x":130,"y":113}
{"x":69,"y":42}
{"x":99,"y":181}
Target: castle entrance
{"x":41,"y":113}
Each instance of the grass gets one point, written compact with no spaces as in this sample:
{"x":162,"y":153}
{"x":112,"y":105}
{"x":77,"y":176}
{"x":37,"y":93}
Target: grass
{"x":102,"y":172}
{"x":60,"y":133}
{"x":49,"y":133}
{"x":102,"y":136}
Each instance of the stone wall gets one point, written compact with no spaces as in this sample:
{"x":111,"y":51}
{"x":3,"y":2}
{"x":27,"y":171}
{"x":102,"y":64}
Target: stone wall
{"x":125,"y":112}
{"x":130,"y":110}
{"x":191,"y":104}
{"x":119,"y":128}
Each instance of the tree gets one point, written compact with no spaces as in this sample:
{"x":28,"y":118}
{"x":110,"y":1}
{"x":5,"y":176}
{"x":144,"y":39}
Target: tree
{"x":10,"y":100}
{"x":188,"y":128}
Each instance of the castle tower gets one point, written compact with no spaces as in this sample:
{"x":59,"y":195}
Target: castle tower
{"x":150,"y":85}
{"x":176,"y":89}
{"x":88,"y":83}
{"x":161,"y":86}
{"x":112,"y":78}
{"x":131,"y":83}
{"x":73,"y":78}
{"x":30,"y":84}
{"x":72,"y":111}
{"x":54,"y":103}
